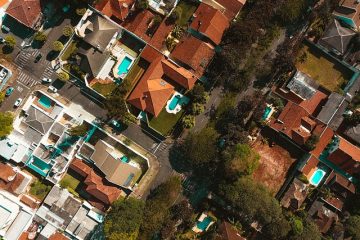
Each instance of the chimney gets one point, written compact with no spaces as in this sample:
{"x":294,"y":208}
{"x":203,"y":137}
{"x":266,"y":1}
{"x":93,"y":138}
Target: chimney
{"x":199,"y":25}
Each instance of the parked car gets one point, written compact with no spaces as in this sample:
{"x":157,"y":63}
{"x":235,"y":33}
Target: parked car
{"x":17,"y":102}
{"x":47,"y":80}
{"x":115,"y":124}
{"x":52,"y":89}
{"x":9,"y":91}
{"x":38,"y":57}
{"x":5,"y":28}
{"x":2,"y":40}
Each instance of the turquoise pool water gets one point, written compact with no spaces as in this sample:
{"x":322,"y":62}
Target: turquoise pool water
{"x":266,"y":113}
{"x":45,"y":101}
{"x":204,"y":224}
{"x":317,"y":177}
{"x":40,"y":166}
{"x":124,"y":66}
{"x":174,"y":102}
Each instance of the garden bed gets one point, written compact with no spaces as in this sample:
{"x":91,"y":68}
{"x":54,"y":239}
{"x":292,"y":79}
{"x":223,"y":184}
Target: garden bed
{"x":39,"y":190}
{"x":187,"y":10}
{"x":324,"y":70}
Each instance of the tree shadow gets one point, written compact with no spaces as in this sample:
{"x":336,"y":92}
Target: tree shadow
{"x":7,"y":49}
{"x":177,"y":158}
{"x":52,"y":55}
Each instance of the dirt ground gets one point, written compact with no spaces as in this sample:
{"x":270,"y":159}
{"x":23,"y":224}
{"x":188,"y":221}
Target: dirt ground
{"x":273,"y":165}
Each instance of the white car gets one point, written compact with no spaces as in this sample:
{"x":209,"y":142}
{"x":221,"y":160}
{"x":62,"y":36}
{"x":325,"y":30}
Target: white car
{"x":3,"y":74}
{"x":17,"y":102}
{"x":52,"y":89}
{"x":47,"y":80}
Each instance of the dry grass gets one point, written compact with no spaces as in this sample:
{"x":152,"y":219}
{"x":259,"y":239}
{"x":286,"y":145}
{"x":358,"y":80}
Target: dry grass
{"x":322,"y":69}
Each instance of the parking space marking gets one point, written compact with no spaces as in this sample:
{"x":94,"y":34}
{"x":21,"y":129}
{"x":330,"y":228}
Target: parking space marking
{"x":20,"y":89}
{"x":26,"y":79}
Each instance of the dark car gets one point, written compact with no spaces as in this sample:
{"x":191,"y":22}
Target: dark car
{"x":38,"y":57}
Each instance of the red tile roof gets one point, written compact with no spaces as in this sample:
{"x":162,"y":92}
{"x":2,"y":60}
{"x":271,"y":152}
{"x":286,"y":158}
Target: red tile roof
{"x":310,"y":165}
{"x":350,"y":149}
{"x":324,"y":140}
{"x":153,"y":90}
{"x":159,"y":37}
{"x":7,"y":173}
{"x":58,"y":236}
{"x":139,"y":24}
{"x":232,"y":7}
{"x":210,"y":22}
{"x":31,"y":202}
{"x":96,"y":186}
{"x":118,"y":9}
{"x":26,"y":12}
{"x":194,"y":53}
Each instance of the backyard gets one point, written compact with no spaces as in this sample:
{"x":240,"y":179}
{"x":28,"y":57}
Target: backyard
{"x":187,"y":10}
{"x":39,"y":189}
{"x":165,"y":122}
{"x":324,"y":70}
{"x":135,"y":73}
{"x":274,"y":165}
{"x":104,"y":88}
{"x":70,"y":183}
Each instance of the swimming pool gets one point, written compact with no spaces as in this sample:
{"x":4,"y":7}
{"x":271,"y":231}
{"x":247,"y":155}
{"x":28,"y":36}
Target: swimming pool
{"x":39,"y":166}
{"x":45,"y":101}
{"x":317,"y":177}
{"x":266,"y":113}
{"x":124,"y":66}
{"x":204,"y":224}
{"x":174,"y":102}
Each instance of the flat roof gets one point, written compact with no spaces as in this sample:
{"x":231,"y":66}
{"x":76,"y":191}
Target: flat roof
{"x":18,"y":226}
{"x":7,"y":148}
{"x":330,"y":108}
{"x":5,"y":214}
{"x":302,"y":85}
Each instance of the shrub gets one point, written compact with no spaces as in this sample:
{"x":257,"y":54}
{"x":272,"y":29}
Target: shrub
{"x":79,"y":130}
{"x":175,"y":15}
{"x":58,"y":46}
{"x":310,"y":144}
{"x":197,"y":108}
{"x":68,"y":31}
{"x":141,"y":4}
{"x":40,"y":36}
{"x":188,"y":121}
{"x":303,"y":178}
{"x":63,"y":76}
{"x":80,"y":11}
{"x":10,"y":41}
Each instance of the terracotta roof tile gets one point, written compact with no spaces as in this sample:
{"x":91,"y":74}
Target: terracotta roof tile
{"x":210,"y":22}
{"x":96,"y":186}
{"x":26,"y":12}
{"x":58,"y":236}
{"x":159,"y":37}
{"x":349,"y":149}
{"x":118,"y":9}
{"x":310,"y":166}
{"x":139,"y":24}
{"x":324,"y":140}
{"x":7,"y":173}
{"x":31,"y":202}
{"x":193,"y":53}
{"x":232,"y":7}
{"x":153,"y":90}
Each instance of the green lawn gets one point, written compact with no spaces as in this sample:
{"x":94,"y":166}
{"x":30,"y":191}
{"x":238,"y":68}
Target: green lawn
{"x":70,"y":183}
{"x":322,"y":69}
{"x":165,"y":122}
{"x":135,"y":73}
{"x":187,"y":10}
{"x":104,"y":89}
{"x":39,"y":189}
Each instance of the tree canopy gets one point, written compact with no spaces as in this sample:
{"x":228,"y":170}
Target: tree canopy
{"x":157,"y":207}
{"x":79,"y":130}
{"x":352,"y":227}
{"x":6,"y":121}
{"x":201,"y":149}
{"x":239,"y":160}
{"x":124,"y":219}
{"x":254,"y":203}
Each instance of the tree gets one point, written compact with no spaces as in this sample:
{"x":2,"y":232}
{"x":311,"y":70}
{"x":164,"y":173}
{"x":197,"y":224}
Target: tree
{"x":117,"y":108}
{"x":79,"y":130}
{"x":157,"y":207}
{"x":58,"y":46}
{"x":198,"y":94}
{"x":201,"y":150}
{"x":234,"y":134}
{"x":352,"y":120}
{"x":175,"y":15}
{"x":2,"y":97}
{"x":80,"y":11}
{"x":10,"y":41}
{"x":6,"y":121}
{"x":291,"y":10}
{"x":188,"y":121}
{"x":239,"y":160}
{"x":68,"y":30}
{"x":141,"y":4}
{"x":352,"y":227}
{"x":124,"y":219}
{"x":310,"y":144}
{"x":252,"y":202}
{"x":63,"y":76}
{"x":197,"y":108}
{"x":40,"y":36}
